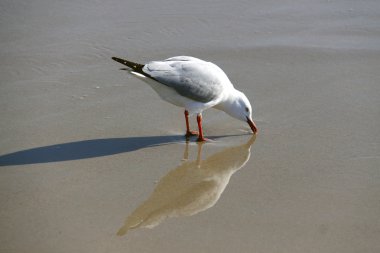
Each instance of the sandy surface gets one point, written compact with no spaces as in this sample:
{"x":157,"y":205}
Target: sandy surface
{"x":93,"y":161}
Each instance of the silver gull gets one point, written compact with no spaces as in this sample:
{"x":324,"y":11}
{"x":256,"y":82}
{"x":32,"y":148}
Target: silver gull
{"x":194,"y":85}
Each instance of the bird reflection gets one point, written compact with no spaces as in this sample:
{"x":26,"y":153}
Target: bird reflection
{"x":192,"y":187}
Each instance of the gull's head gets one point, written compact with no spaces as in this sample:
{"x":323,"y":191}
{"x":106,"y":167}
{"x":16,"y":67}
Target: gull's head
{"x":240,"y":108}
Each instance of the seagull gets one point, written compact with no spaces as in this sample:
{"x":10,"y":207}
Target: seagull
{"x":195,"y":85}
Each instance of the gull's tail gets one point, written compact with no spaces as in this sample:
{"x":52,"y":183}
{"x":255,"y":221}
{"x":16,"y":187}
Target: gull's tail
{"x":134,"y":66}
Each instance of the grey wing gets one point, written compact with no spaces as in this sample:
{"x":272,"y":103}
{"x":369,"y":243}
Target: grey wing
{"x":198,"y":80}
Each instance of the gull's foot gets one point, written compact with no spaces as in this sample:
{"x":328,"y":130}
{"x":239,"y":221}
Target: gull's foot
{"x":202,"y":139}
{"x":191,"y":133}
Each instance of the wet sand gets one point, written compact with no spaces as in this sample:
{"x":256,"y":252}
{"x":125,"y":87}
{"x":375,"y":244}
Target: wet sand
{"x":93,"y":161}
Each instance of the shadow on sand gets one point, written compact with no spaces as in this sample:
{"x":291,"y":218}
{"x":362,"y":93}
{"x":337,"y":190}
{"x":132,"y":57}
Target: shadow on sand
{"x":86,"y":149}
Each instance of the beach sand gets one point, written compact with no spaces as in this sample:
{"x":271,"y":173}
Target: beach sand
{"x":93,"y":161}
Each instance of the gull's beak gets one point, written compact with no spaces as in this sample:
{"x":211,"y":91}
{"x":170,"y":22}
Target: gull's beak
{"x":252,"y":125}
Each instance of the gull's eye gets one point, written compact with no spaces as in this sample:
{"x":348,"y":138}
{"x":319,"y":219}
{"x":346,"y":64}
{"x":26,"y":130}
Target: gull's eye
{"x":246,"y":109}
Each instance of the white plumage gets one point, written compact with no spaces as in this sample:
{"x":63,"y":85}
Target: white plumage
{"x":194,"y":85}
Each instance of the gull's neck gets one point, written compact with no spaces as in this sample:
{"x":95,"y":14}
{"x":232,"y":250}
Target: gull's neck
{"x":228,"y":101}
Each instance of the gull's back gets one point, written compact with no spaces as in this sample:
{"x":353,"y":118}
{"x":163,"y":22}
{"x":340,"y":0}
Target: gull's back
{"x":191,"y":77}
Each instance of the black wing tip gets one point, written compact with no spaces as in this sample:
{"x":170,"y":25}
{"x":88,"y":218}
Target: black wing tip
{"x":118,"y":60}
{"x":132,"y":65}
{"x":127,"y":63}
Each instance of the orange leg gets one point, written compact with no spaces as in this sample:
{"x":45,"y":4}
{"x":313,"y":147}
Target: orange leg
{"x":188,"y":132}
{"x":200,"y":137}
